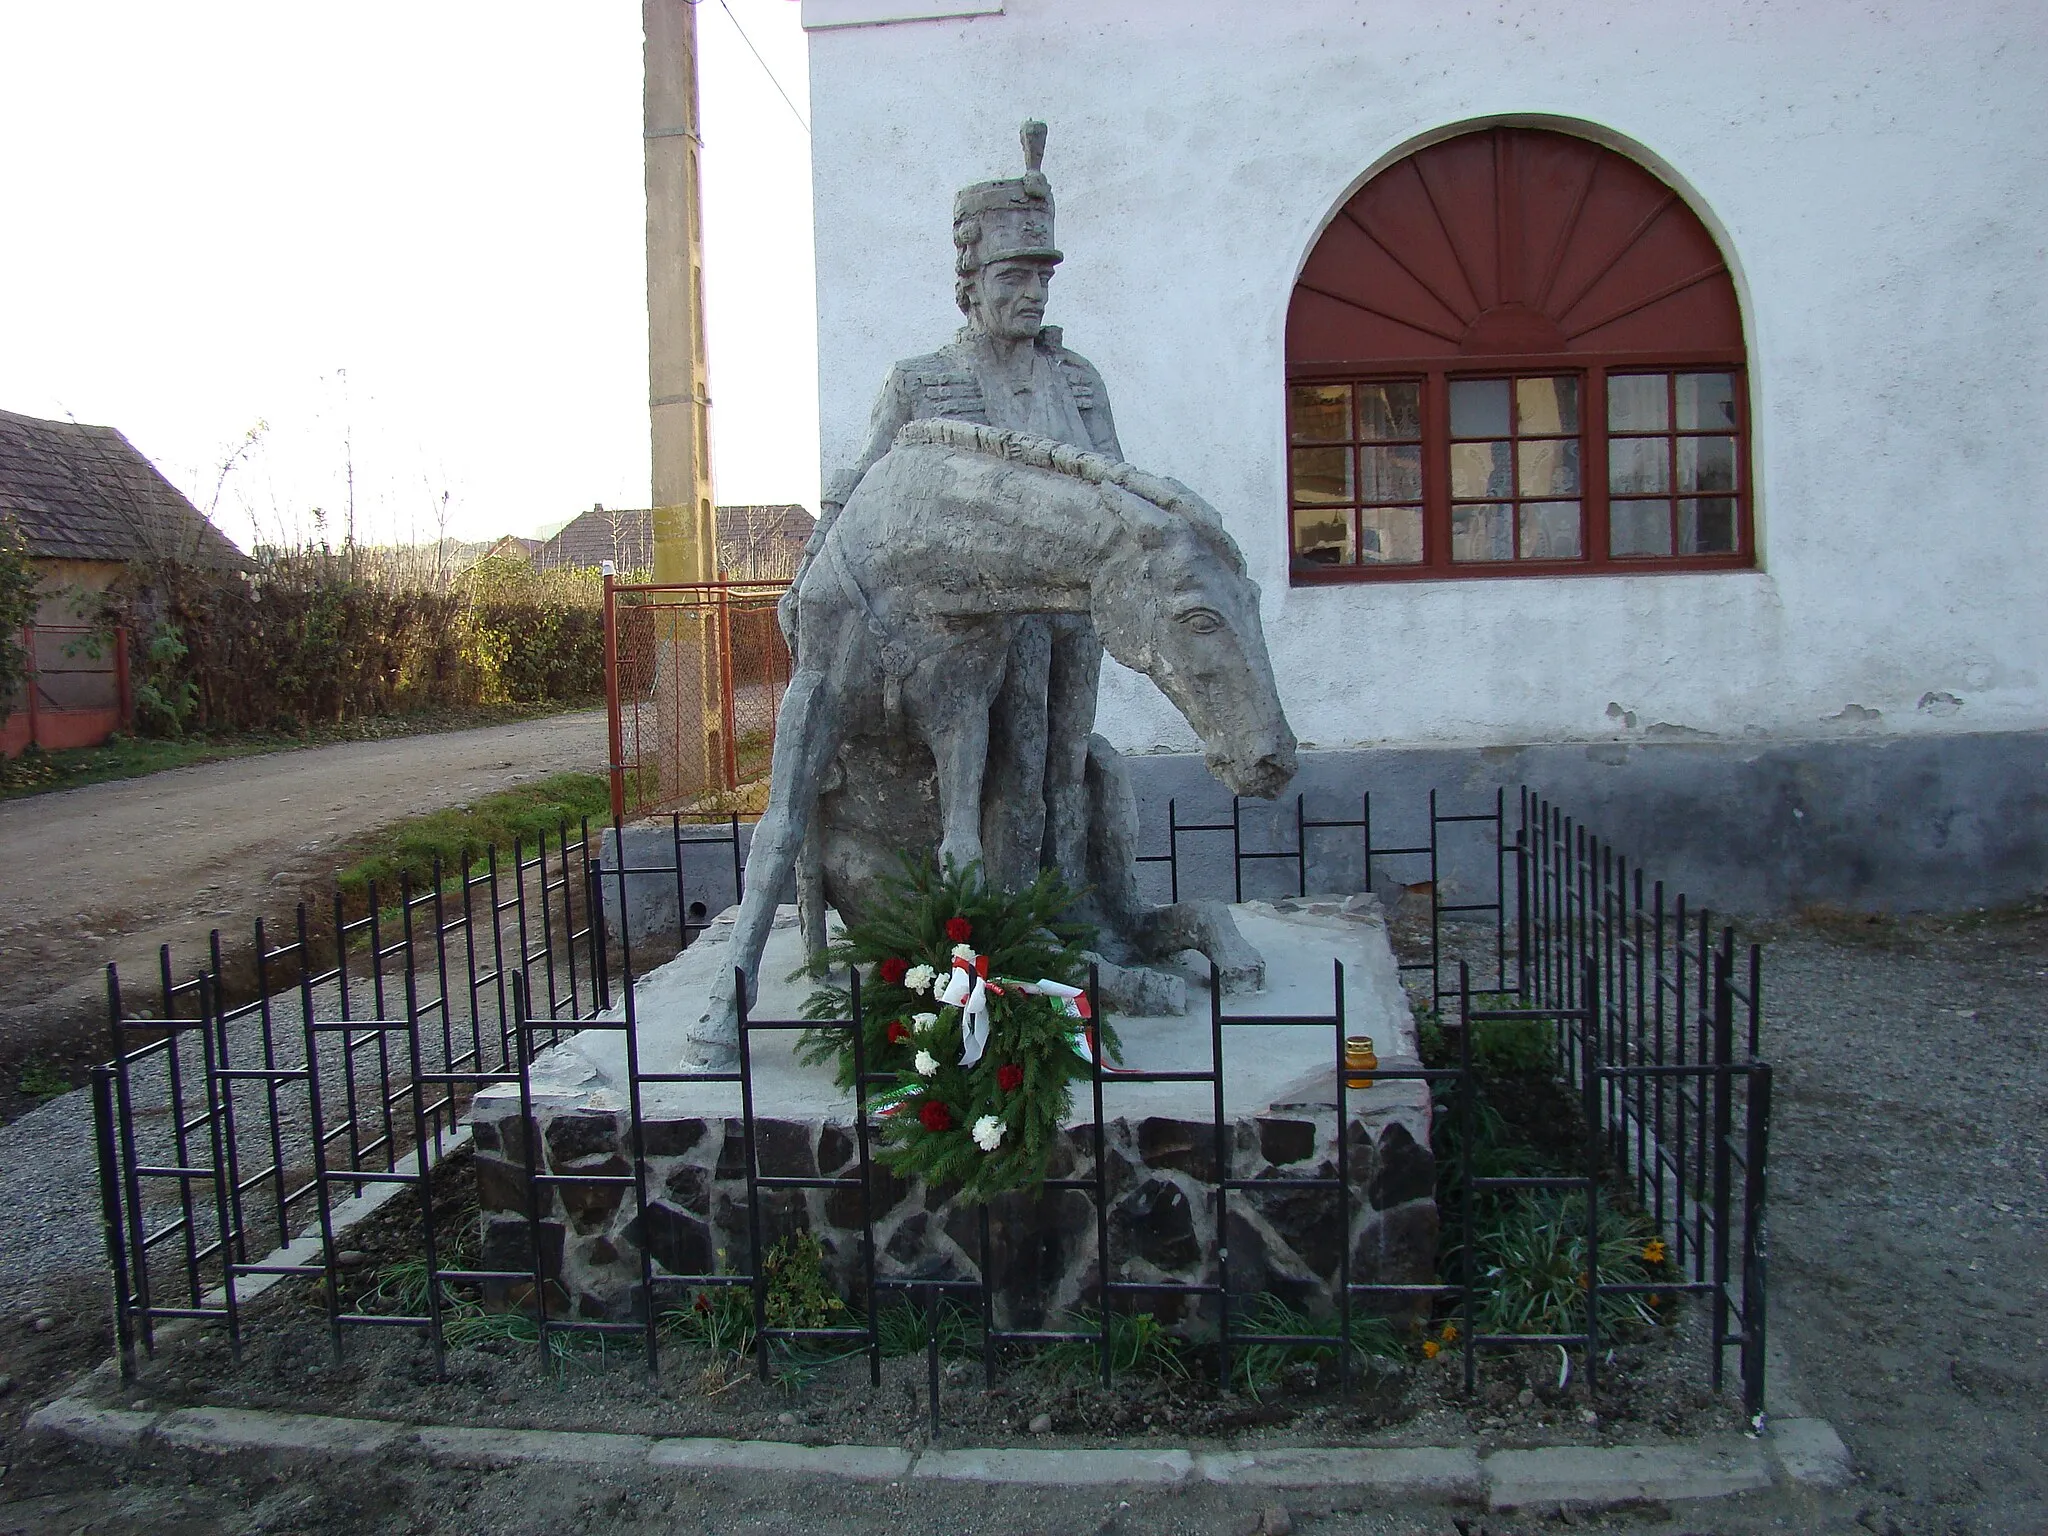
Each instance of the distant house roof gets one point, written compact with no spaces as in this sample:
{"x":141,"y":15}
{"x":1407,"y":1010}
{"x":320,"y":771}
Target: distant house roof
{"x":86,"y":493}
{"x":754,"y":542}
{"x":514,"y":546}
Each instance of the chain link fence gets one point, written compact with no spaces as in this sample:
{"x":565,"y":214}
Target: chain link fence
{"x":694,"y":679}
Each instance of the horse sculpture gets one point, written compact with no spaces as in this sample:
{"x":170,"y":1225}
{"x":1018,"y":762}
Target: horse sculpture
{"x":906,"y":618}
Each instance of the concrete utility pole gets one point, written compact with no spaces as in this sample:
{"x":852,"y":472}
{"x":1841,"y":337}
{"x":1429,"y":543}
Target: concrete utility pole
{"x":678,"y":395}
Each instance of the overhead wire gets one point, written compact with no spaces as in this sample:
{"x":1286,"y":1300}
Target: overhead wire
{"x":786,"y":101}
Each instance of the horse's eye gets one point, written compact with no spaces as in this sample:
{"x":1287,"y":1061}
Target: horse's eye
{"x":1202,"y":621}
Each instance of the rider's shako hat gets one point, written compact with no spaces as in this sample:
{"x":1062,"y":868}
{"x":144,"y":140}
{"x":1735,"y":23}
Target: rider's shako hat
{"x":1006,"y":220}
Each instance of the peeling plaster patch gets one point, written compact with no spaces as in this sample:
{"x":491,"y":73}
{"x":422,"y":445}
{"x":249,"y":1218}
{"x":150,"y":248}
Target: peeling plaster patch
{"x":1627,"y":717}
{"x":1669,"y":732}
{"x":1942,"y":703}
{"x":1853,"y":714}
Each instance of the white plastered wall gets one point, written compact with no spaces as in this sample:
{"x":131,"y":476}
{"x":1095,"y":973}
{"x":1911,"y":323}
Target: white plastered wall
{"x":1877,"y":174}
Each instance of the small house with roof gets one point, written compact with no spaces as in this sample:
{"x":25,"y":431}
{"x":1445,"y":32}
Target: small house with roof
{"x":91,"y":507}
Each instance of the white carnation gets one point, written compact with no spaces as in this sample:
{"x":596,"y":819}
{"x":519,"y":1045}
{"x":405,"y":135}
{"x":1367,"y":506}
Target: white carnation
{"x":919,"y":978}
{"x":926,"y":1063}
{"x":988,"y":1133}
{"x":964,"y":952}
{"x":920,"y":1022}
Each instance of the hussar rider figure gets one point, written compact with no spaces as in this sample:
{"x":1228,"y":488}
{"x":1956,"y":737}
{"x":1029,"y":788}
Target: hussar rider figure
{"x":1007,"y":369}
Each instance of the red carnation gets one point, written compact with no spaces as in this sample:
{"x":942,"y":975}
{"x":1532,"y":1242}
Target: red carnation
{"x":959,"y":930}
{"x":893,"y":970}
{"x":935,"y":1116}
{"x":898,"y":1032}
{"x":1009,"y":1077}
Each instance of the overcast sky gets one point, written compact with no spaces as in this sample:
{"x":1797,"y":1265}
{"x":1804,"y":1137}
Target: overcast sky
{"x":403,"y":231}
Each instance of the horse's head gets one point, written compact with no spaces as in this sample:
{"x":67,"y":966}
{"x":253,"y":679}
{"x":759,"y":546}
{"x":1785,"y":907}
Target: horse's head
{"x":1171,"y":600}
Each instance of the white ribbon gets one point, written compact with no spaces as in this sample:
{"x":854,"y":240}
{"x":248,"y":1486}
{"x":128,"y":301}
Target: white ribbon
{"x":974,"y":1024}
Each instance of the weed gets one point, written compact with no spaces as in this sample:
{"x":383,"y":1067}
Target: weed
{"x":901,"y":1325}
{"x":1531,"y":1264}
{"x":42,"y":1080}
{"x":1256,"y":1369}
{"x":1139,"y":1344}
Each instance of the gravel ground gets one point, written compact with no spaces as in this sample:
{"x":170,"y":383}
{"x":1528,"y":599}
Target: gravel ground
{"x":1909,"y":1283}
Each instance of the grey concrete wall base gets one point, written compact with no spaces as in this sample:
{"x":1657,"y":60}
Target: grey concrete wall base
{"x":1584,"y":1477}
{"x":1904,"y":823}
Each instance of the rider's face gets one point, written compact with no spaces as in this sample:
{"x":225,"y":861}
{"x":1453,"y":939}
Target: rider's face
{"x":1010,"y":298}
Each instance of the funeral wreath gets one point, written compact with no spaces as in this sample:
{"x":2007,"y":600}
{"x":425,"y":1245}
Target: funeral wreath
{"x":974,"y":1023}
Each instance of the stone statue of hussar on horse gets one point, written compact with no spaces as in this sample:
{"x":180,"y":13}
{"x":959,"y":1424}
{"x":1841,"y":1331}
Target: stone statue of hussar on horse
{"x":949,"y":622}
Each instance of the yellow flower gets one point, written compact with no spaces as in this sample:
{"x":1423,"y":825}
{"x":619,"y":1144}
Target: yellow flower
{"x":1653,"y":1251}
{"x":1430,"y":1349}
{"x":1654,"y":1300}
{"x":1450,"y":1333}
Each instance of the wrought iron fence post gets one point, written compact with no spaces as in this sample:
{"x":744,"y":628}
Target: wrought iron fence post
{"x":750,"y":1147}
{"x":1722,"y":1077}
{"x":1755,"y":1240}
{"x":867,"y":1185}
{"x":1590,"y":1089}
{"x":1102,"y":1293}
{"x":223,"y":1169}
{"x":1468,"y":1279}
{"x":111,"y":1224}
{"x":529,"y":1129}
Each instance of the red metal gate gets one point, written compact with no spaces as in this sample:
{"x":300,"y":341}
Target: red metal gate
{"x":694,"y":678}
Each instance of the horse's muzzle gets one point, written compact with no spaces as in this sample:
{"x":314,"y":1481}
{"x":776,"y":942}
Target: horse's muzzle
{"x":1261,"y":779}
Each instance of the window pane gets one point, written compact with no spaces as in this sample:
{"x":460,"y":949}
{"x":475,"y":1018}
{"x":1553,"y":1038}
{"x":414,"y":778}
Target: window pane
{"x":1706,"y":526}
{"x":1389,"y":411}
{"x":1546,"y":406}
{"x":1706,"y":463}
{"x":1639,"y":528}
{"x":1322,"y":474}
{"x":1479,"y":408}
{"x":1549,"y":469}
{"x":1319,"y":413}
{"x":1322,"y":538}
{"x":1481,"y":469}
{"x":1390,"y":474}
{"x":1550,"y":530}
{"x":1706,"y":402}
{"x":1636,"y":403}
{"x":1390,"y":535}
{"x":1638,"y":464}
{"x":1485,"y":532}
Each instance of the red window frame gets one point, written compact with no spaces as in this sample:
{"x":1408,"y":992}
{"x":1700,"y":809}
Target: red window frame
{"x":1511,"y":253}
{"x":1596,"y":497}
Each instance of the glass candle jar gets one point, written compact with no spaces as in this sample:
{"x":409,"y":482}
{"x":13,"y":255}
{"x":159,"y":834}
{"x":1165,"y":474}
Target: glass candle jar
{"x":1359,"y":1061}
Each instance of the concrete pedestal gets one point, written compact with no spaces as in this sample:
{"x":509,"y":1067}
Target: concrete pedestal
{"x":1163,"y":1164}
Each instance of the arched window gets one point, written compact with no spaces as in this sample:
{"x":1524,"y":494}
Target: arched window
{"x":1516,"y":353}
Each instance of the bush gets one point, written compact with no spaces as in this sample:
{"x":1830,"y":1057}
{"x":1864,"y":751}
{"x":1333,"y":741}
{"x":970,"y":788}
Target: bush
{"x":308,"y":640}
{"x":17,"y":607}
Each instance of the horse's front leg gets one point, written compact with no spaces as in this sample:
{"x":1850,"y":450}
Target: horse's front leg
{"x":808,"y":733}
{"x":959,"y":743}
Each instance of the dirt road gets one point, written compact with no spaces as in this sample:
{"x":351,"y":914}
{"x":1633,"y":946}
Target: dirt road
{"x":112,"y":871}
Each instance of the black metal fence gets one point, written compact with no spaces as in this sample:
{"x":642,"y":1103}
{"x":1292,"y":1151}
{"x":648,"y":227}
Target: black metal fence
{"x":236,"y":1143}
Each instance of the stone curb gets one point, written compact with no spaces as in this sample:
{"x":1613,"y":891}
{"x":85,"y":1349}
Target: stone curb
{"x":1806,"y":1451}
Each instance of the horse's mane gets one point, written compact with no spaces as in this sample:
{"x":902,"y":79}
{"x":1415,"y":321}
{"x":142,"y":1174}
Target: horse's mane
{"x":1161,"y":491}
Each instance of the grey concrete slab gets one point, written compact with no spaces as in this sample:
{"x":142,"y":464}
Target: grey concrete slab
{"x":1603,"y":1475}
{"x":1063,"y":1468}
{"x":109,"y":1428}
{"x":1449,"y":1472}
{"x":473,"y":1447}
{"x":1269,"y":1064}
{"x":1810,"y":1452}
{"x":864,"y":1463}
{"x":246,"y":1429}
